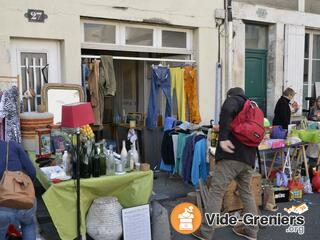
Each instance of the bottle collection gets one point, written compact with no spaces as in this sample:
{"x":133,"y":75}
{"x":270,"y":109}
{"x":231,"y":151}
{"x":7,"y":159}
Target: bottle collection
{"x":97,"y":160}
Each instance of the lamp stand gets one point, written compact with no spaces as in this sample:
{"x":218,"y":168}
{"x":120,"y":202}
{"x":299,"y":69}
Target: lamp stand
{"x":78,"y":185}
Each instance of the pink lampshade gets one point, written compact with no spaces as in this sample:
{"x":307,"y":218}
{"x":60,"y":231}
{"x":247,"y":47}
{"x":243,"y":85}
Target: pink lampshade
{"x":76,"y":115}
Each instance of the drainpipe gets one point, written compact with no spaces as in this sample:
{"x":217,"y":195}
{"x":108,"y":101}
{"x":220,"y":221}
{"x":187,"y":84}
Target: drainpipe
{"x":230,"y":39}
{"x":218,"y":79}
{"x":218,"y":92}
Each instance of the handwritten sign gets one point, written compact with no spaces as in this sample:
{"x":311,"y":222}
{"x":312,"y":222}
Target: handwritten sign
{"x":136,"y":223}
{"x":35,"y":15}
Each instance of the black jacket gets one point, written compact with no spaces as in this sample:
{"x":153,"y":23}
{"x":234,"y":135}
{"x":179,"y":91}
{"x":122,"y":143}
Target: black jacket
{"x":230,"y":108}
{"x":282,"y":113}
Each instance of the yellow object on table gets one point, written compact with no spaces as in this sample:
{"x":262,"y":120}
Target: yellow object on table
{"x":131,"y":189}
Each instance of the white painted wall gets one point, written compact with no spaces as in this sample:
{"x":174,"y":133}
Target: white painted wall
{"x":285,"y":67}
{"x":275,"y":66}
{"x":63,"y":24}
{"x":294,"y":59}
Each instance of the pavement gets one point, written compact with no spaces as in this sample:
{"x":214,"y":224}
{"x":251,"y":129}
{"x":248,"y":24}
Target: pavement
{"x":170,"y":191}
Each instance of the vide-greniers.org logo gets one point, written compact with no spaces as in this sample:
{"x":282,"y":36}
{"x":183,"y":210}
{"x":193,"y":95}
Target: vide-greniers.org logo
{"x":295,"y":223}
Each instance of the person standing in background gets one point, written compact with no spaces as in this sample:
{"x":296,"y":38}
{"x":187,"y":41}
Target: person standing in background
{"x":284,"y":107}
{"x":314,"y":114}
{"x":18,"y":160}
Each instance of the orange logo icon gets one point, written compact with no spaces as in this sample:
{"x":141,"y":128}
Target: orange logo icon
{"x":186,"y":218}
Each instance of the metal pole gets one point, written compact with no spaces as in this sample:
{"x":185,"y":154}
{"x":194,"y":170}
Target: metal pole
{"x":78,"y":186}
{"x":230,"y":41}
{"x":143,"y":59}
{"x":218,"y":92}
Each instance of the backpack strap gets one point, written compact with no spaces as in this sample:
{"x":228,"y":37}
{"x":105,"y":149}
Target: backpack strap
{"x":245,"y":98}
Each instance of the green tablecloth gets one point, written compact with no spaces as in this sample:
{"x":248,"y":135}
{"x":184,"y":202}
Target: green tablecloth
{"x":131,"y":189}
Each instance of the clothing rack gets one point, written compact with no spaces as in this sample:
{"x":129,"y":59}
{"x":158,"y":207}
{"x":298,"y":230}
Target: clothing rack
{"x":143,"y":59}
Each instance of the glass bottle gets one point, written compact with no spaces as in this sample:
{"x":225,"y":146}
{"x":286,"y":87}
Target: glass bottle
{"x":96,"y":163}
{"x":84,"y":163}
{"x":133,"y":156}
{"x":110,"y":161}
{"x":102,"y":158}
{"x":135,"y":153}
{"x":124,"y":154}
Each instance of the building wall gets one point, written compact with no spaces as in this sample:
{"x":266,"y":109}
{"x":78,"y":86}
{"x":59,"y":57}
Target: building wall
{"x":63,"y":24}
{"x":277,"y":19}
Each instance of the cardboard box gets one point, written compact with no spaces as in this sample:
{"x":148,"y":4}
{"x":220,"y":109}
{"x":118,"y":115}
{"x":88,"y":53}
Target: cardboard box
{"x":232,"y":201}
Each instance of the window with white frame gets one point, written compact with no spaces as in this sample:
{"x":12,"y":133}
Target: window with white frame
{"x":142,"y":37}
{"x":99,"y":33}
{"x":311,"y":65}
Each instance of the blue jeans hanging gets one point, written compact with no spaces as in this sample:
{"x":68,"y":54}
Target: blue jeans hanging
{"x":160,"y":78}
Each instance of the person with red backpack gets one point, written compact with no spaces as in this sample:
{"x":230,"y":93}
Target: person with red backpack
{"x":241,"y":131}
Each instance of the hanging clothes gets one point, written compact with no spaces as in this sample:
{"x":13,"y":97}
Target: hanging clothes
{"x":188,"y":154}
{"x":177,"y":83}
{"x":10,"y":111}
{"x":84,"y":78}
{"x":169,"y":123}
{"x":160,"y":78}
{"x":107,"y":76}
{"x":199,"y":164}
{"x":2,"y":129}
{"x":180,"y":147}
{"x":209,"y":140}
{"x":175,"y":146}
{"x":93,"y":83}
{"x":167,"y":152}
{"x":190,"y":86}
{"x":2,"y":133}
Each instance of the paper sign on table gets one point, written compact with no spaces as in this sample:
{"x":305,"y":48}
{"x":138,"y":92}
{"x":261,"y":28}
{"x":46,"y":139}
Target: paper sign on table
{"x":136,"y":223}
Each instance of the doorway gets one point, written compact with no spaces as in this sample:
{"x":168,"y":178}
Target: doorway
{"x":37,"y":62}
{"x":255,"y":75}
{"x":256,"y":64}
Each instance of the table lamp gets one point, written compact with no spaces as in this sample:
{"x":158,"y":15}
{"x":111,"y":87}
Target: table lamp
{"x":75,"y":116}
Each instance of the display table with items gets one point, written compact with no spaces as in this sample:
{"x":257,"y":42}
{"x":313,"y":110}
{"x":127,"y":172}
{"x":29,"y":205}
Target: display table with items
{"x":131,"y":189}
{"x":286,"y":172}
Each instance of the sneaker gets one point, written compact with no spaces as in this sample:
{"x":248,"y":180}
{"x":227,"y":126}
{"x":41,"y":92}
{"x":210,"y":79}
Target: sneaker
{"x":241,"y":231}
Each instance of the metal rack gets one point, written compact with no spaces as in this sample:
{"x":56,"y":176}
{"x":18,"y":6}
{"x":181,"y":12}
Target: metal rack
{"x":144,"y":59}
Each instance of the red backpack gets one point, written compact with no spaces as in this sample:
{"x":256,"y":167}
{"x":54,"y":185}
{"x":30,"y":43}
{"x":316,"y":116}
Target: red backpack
{"x":248,"y":126}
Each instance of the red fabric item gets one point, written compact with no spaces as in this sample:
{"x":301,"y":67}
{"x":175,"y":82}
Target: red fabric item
{"x":295,"y":185}
{"x":273,"y":175}
{"x":77,"y":115}
{"x":316,"y":181}
{"x":13,"y":232}
{"x":248,"y":126}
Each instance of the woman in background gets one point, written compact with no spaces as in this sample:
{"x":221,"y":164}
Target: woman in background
{"x":314,"y":114}
{"x":284,"y":108}
{"x":18,"y":161}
